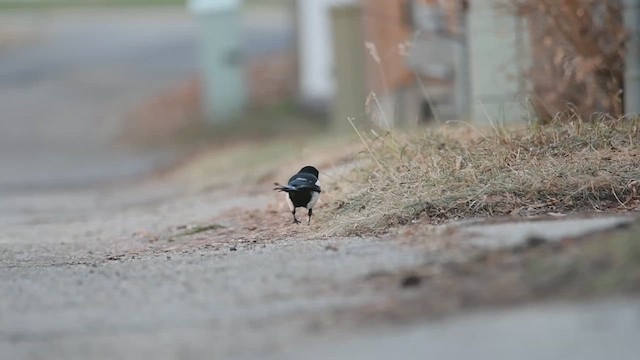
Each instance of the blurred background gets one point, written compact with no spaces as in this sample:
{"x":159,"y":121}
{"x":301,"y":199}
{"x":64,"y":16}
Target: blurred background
{"x":94,"y":91}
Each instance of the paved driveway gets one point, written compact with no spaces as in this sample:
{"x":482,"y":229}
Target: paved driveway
{"x":64,"y":93}
{"x":65,"y":90}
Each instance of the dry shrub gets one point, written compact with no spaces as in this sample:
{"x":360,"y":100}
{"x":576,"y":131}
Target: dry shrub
{"x":454,"y":172}
{"x":578,"y":55}
{"x":270,"y":77}
{"x":166,"y":116}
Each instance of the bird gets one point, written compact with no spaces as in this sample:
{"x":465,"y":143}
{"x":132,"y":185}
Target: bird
{"x":303,"y":190}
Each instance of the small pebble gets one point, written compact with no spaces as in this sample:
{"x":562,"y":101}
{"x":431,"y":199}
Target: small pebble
{"x":331,"y":248}
{"x":534,"y":241}
{"x":410,"y":281}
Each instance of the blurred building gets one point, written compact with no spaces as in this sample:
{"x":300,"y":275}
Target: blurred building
{"x":403,"y":62}
{"x":316,"y":81}
{"x":423,"y":59}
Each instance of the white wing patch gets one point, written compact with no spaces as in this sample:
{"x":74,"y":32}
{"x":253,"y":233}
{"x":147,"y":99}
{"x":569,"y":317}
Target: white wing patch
{"x":314,"y":198}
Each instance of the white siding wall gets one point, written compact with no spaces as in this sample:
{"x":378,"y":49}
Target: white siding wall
{"x":315,"y":51}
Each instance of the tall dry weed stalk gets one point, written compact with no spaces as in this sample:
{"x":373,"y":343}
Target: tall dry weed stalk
{"x":578,"y":55}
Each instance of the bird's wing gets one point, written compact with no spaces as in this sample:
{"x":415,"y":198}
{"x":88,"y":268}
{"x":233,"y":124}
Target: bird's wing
{"x":304,"y":181}
{"x":286,"y":188}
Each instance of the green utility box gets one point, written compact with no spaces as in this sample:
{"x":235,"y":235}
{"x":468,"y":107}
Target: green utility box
{"x":224,"y":87}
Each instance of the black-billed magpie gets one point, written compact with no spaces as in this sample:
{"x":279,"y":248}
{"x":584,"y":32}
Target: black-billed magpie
{"x":303,"y":190}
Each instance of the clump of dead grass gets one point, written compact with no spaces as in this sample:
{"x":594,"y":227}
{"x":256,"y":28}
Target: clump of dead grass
{"x":457,"y":171}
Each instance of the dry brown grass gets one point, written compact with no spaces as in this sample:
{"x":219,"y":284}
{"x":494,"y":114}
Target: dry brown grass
{"x":457,"y":171}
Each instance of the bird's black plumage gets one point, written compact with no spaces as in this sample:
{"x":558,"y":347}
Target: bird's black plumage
{"x":303,"y":190}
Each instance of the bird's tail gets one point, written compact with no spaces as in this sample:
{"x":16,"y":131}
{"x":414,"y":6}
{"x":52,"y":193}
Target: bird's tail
{"x":285,"y":188}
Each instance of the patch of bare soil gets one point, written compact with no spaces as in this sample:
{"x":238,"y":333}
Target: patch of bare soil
{"x":236,"y":228}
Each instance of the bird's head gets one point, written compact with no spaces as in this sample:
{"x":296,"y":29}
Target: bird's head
{"x":309,"y":170}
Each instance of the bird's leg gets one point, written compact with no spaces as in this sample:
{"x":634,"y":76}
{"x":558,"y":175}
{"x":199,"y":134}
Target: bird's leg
{"x":295,"y":220}
{"x":310,"y":212}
